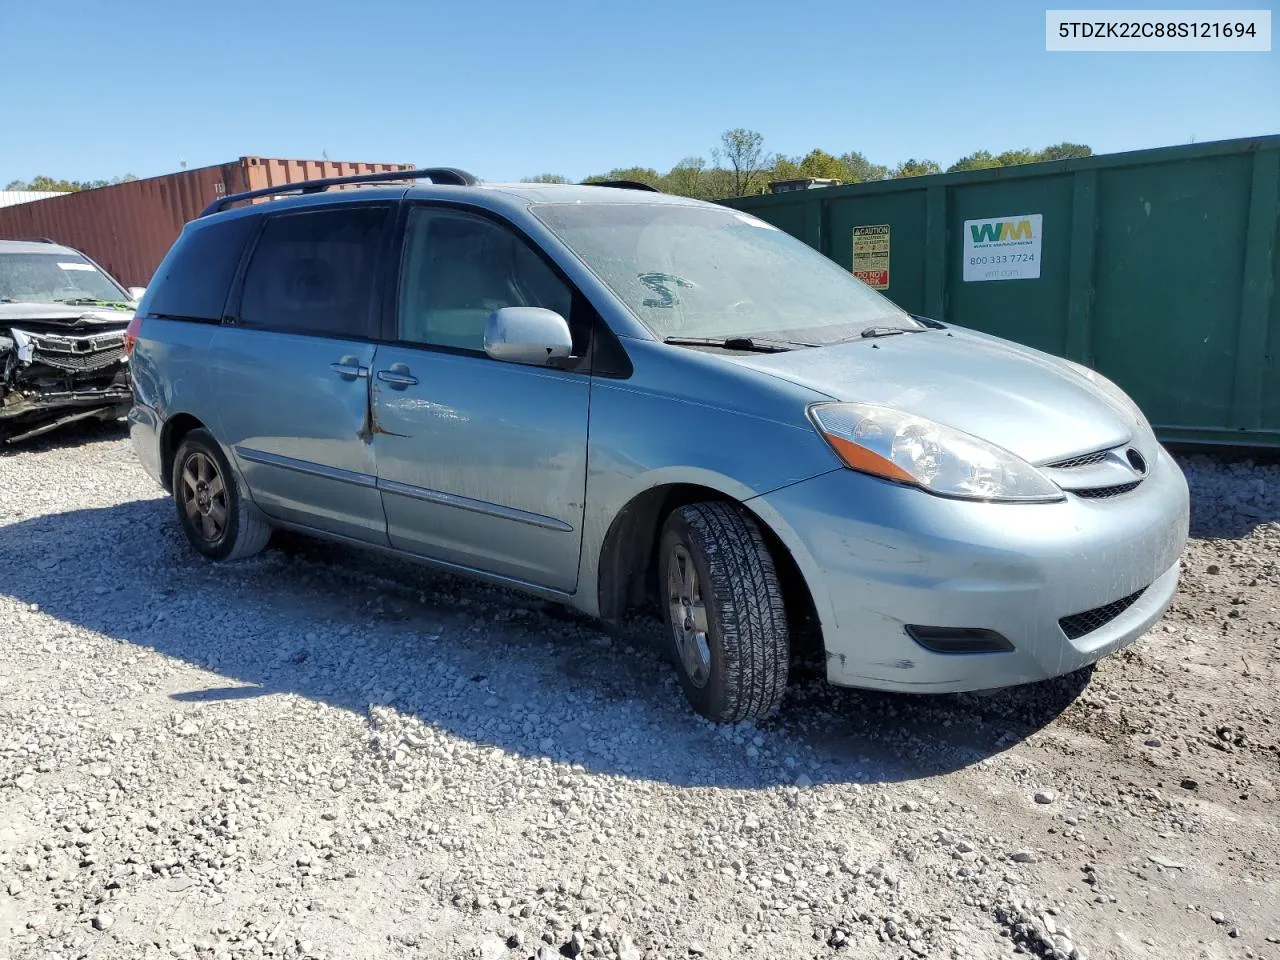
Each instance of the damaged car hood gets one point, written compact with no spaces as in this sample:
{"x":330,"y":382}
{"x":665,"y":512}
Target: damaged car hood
{"x":62,"y":315}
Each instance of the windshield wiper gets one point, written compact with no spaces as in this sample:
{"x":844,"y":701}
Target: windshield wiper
{"x":91,"y":302}
{"x":869,"y":332}
{"x":747,"y":344}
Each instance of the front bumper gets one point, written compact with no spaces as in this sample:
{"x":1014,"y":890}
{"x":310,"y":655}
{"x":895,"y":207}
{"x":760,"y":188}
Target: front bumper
{"x":47,"y":379}
{"x":878,"y":556}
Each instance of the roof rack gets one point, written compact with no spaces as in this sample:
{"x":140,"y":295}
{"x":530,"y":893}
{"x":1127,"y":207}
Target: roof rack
{"x":624,"y":185}
{"x":448,"y":175}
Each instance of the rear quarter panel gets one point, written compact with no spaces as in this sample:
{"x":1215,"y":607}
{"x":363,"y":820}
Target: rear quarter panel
{"x":169,"y":376}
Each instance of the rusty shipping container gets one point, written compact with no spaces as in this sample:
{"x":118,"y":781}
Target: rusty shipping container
{"x":129,"y":227}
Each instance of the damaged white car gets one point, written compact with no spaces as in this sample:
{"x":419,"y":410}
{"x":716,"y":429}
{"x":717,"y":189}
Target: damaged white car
{"x":62,"y":325}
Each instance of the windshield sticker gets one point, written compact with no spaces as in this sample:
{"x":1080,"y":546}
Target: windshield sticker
{"x":871,"y":255}
{"x":657,"y":282}
{"x":76,"y":266}
{"x":1002,"y":248}
{"x":755,"y":221}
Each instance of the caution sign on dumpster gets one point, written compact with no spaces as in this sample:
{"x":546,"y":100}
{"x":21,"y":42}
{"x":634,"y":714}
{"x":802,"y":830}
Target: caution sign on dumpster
{"x":871,"y":255}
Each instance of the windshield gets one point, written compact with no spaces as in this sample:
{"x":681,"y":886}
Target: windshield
{"x":690,"y":271}
{"x":54,"y":277}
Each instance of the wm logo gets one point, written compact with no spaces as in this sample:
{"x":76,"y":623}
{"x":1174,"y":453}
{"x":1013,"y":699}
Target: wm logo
{"x":1008,"y":230}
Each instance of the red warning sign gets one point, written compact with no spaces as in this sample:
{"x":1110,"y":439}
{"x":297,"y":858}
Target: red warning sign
{"x":871,"y":255}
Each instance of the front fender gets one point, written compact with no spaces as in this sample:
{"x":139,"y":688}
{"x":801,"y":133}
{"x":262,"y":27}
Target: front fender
{"x":645,"y":437}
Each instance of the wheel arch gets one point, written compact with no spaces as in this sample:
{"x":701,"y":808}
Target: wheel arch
{"x":176,"y":426}
{"x":627,"y":568}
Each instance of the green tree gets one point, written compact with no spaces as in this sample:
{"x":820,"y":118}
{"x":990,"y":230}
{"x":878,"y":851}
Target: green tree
{"x":818,"y":163}
{"x":545,"y":178}
{"x":717,"y":183}
{"x":1065,"y":151}
{"x":49,"y":183}
{"x":984,"y":159}
{"x":858,"y":169}
{"x":66,"y":186}
{"x":786,"y":168}
{"x":740,"y":166}
{"x":642,"y":174}
{"x":1014,"y":158}
{"x":743,"y":153}
{"x":915,"y":168}
{"x":978,"y":160}
{"x":687,"y":178}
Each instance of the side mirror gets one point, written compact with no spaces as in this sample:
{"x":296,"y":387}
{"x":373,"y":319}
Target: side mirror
{"x":529,"y":335}
{"x":137,"y":292}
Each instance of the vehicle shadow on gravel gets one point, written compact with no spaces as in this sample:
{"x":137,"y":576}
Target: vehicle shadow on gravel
{"x":355,"y":629}
{"x":71,"y":435}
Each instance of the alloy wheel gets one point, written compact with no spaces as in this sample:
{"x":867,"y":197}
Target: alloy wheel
{"x":204,"y":496}
{"x":688,"y":613}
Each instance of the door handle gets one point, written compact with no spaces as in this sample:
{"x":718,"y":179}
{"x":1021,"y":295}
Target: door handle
{"x":349,"y":368}
{"x":397,"y":376}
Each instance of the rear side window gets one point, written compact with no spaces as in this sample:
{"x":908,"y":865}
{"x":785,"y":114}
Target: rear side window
{"x":314,"y":272}
{"x":192,"y":281}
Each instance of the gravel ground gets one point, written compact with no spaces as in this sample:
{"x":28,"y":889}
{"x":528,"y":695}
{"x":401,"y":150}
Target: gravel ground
{"x":320,"y":753}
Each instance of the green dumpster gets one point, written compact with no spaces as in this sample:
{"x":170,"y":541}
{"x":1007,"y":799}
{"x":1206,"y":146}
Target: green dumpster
{"x":1157,"y":268}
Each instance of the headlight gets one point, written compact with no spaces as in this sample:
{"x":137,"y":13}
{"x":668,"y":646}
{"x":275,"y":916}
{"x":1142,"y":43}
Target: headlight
{"x":1112,"y":391}
{"x":908,"y":449}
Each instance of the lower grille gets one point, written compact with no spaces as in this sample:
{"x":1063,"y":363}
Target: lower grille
{"x":1079,"y":624}
{"x":1102,"y":493}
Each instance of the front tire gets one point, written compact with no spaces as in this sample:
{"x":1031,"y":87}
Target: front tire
{"x":724,"y":611}
{"x":214,"y":515}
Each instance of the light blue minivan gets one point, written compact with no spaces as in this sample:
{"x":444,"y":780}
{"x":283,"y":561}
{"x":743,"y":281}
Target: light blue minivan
{"x":610,"y":397}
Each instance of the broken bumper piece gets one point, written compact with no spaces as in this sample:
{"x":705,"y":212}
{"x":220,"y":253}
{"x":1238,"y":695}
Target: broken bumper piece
{"x":51,"y":379}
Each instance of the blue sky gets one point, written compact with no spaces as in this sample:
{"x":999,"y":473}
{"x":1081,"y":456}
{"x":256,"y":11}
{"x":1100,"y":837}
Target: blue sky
{"x":507,"y":89}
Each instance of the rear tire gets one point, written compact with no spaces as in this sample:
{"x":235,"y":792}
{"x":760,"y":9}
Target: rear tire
{"x":724,"y":611}
{"x":217,"y":518}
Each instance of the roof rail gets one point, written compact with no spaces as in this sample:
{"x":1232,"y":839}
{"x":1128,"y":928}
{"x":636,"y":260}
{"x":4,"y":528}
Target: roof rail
{"x":624,"y":185}
{"x":449,"y":175}
{"x":36,"y":240}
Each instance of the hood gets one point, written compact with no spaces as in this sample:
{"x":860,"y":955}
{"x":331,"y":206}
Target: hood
{"x":62,"y":315}
{"x":1032,"y":404}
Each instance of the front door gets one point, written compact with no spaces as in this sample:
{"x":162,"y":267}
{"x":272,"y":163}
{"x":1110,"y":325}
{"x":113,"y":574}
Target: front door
{"x":293,"y":366}
{"x":480,"y":463}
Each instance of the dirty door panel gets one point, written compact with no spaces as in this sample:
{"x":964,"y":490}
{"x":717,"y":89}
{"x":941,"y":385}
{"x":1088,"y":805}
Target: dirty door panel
{"x":292,"y":372}
{"x":296,"y":427}
{"x":480,"y":463}
{"x":483,"y":463}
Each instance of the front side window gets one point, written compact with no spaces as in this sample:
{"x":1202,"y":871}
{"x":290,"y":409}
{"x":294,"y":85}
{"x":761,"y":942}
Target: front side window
{"x":314,"y":272}
{"x":458,"y":268}
{"x":56,"y":278}
{"x":697,"y":271}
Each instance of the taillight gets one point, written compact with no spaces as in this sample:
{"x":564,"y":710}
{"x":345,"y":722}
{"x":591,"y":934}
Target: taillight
{"x":131,"y":333}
